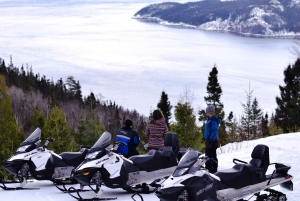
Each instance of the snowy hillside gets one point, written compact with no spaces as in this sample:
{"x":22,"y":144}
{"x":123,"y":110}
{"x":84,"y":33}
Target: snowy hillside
{"x":283,"y":148}
{"x":253,"y":18}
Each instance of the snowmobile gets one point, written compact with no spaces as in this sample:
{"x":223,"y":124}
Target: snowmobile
{"x":140,"y":173}
{"x":34,"y":160}
{"x":192,"y":182}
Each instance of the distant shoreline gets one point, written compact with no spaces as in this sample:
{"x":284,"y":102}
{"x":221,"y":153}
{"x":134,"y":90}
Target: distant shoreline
{"x":290,"y":35}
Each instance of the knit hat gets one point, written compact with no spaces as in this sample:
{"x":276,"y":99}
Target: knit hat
{"x":128,"y":123}
{"x":210,"y":109}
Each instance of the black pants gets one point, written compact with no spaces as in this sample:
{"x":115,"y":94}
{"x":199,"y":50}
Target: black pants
{"x":211,"y":152}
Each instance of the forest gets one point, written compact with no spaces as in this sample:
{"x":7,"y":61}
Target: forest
{"x":29,"y":100}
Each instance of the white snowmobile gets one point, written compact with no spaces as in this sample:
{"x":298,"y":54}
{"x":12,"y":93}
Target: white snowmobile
{"x":32,"y":159}
{"x":192,"y":182}
{"x":140,"y":173}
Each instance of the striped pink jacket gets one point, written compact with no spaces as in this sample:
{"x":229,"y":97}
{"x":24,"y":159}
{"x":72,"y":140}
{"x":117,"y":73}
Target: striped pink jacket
{"x":156,"y":133}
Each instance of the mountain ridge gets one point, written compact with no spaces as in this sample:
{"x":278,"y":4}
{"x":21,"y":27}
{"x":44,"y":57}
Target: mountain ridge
{"x":259,"y":18}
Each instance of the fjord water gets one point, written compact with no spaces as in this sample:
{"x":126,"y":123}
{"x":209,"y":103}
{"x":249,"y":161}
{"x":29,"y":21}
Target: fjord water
{"x":130,"y":61}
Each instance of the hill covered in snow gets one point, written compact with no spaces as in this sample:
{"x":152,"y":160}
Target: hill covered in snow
{"x":261,"y":18}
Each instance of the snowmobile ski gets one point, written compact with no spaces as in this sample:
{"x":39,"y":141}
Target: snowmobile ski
{"x":65,"y":190}
{"x":72,"y":190}
{"x":138,"y":195}
{"x":4,"y":187}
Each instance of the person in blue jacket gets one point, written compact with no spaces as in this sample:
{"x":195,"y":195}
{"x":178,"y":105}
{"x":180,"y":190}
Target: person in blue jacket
{"x":211,"y":137}
{"x":129,"y":136}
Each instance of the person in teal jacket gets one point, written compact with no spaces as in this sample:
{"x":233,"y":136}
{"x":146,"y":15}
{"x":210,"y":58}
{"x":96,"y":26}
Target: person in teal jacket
{"x":211,"y":137}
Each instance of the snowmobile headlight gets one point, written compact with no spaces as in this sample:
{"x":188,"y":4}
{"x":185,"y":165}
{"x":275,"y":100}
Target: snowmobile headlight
{"x":23,"y":148}
{"x":182,"y":171}
{"x":92,"y":155}
{"x":86,"y":173}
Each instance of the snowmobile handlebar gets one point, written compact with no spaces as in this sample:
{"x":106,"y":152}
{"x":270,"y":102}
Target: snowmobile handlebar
{"x":49,"y":139}
{"x":240,"y":161}
{"x":117,"y":144}
{"x":121,"y":143}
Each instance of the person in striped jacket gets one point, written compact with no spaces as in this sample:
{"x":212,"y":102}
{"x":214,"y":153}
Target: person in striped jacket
{"x":156,"y":131}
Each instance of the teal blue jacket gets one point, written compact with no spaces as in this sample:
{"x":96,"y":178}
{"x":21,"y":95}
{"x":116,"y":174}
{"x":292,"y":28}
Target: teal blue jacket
{"x":212,"y":127}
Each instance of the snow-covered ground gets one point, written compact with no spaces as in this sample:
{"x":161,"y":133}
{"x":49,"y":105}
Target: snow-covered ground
{"x":283,"y":148}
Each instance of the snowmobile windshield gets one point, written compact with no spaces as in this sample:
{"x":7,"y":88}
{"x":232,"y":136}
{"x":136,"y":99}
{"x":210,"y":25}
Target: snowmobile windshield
{"x":31,"y":142}
{"x":186,"y":163}
{"x":103,"y":142}
{"x":32,"y":138}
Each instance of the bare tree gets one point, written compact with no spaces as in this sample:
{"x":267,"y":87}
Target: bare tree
{"x":187,"y":96}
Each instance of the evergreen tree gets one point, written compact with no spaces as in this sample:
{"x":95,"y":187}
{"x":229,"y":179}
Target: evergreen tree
{"x":256,"y":117}
{"x":231,"y":126}
{"x":165,"y":106}
{"x":94,"y":128}
{"x":38,"y":118}
{"x":9,"y":137}
{"x":288,"y":111}
{"x":264,"y":125}
{"x":214,"y":92}
{"x":141,"y":130}
{"x":252,"y":116}
{"x":92,"y":102}
{"x":114,"y":123}
{"x":273,"y":129}
{"x":56,"y":126}
{"x":80,"y":136}
{"x":185,"y":125}
{"x":74,"y":89}
{"x":247,"y":115}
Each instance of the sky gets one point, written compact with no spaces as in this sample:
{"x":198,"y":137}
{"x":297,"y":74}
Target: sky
{"x":283,"y":148}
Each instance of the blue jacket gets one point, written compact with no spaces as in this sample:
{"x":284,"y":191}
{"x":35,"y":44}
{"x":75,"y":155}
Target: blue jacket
{"x":131,"y":138}
{"x":212,"y":127}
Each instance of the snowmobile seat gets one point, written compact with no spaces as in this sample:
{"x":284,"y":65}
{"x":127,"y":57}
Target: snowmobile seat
{"x":259,"y":163}
{"x":246,"y":174}
{"x":260,"y":158}
{"x":237,"y":177}
{"x":148,"y":162}
{"x":74,"y":158}
{"x":171,"y":146}
{"x":171,"y":140}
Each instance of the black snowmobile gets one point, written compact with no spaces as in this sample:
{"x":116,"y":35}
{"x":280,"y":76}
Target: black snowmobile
{"x":192,"y":182}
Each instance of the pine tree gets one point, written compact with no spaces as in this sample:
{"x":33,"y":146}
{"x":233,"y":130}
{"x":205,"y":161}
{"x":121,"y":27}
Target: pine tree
{"x":231,"y":126}
{"x":287,"y":113}
{"x":92,"y":102}
{"x":265,"y":125}
{"x":114,"y":123}
{"x":9,"y":137}
{"x":56,"y":126}
{"x":165,"y":106}
{"x":273,"y":129}
{"x":185,"y":125}
{"x":38,"y":118}
{"x":94,"y":128}
{"x":247,"y":114}
{"x":256,"y":117}
{"x":214,"y":92}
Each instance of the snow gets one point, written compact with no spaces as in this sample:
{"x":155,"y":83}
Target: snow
{"x":283,"y":148}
